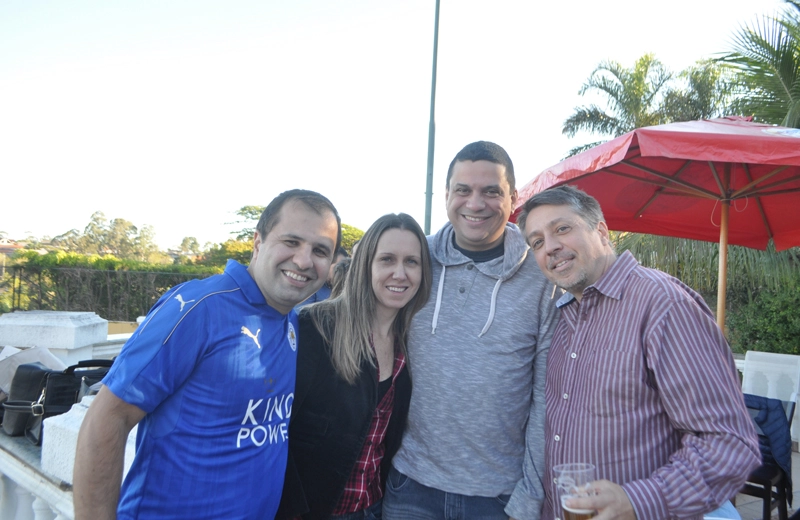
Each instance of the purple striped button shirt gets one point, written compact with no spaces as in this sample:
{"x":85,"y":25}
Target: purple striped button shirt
{"x":641,"y":383}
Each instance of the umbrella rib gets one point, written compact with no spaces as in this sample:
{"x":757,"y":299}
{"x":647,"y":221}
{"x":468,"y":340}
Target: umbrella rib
{"x":767,"y":186}
{"x":696,"y":189}
{"x":777,"y":192}
{"x":758,"y":203}
{"x":746,"y":189}
{"x":681,"y":190}
{"x":722,"y":190}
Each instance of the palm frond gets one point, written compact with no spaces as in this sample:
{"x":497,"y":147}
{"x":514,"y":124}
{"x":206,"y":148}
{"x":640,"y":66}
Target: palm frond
{"x":592,"y":119}
{"x":766,"y":56}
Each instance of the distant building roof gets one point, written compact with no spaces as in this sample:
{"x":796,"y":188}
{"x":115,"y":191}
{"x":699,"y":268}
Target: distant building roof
{"x":8,"y":246}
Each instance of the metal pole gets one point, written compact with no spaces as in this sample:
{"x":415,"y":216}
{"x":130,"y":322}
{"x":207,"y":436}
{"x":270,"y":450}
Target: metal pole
{"x":432,"y":127}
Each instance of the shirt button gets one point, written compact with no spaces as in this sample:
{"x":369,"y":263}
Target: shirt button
{"x":573,"y":355}
{"x":566,"y":396}
{"x":461,"y":290}
{"x":556,"y":438}
{"x":469,"y":267}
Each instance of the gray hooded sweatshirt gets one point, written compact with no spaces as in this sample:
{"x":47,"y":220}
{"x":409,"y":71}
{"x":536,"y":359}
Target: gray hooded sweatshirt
{"x":477,"y":353}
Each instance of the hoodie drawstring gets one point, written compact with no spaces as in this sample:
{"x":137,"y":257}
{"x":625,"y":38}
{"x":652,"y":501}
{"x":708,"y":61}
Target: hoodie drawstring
{"x":439,"y":292}
{"x":438,"y":306}
{"x":491,"y":308}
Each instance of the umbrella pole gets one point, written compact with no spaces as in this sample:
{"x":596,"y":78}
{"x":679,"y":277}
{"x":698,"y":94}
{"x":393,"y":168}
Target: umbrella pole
{"x":722,"y":282}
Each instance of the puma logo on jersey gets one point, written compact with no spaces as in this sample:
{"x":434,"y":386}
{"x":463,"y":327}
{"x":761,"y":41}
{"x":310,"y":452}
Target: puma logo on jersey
{"x":254,"y":337}
{"x":180,"y":299}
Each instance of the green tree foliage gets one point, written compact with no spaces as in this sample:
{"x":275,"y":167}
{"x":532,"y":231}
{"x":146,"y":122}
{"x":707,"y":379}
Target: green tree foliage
{"x":218,"y":254}
{"x":250,"y":216}
{"x":766,"y":57}
{"x":57,"y":259}
{"x":768,"y":323}
{"x":758,"y":281}
{"x":696,"y":263}
{"x":702,"y":91}
{"x":190,"y":246}
{"x":350,"y":235}
{"x":118,"y":237}
{"x":114,"y":288}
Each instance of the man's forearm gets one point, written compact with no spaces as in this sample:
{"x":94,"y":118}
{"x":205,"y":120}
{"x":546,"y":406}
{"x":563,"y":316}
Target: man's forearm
{"x":99,"y":459}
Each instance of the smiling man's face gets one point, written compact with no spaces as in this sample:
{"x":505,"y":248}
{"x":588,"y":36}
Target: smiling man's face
{"x":291,"y":263}
{"x":479,"y":203}
{"x":571,"y":254}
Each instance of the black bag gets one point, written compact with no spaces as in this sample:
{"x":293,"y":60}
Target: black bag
{"x":26,"y":387}
{"x":38,"y":392}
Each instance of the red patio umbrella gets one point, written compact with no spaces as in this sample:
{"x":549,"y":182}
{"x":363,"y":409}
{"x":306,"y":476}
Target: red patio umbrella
{"x":728,"y":180}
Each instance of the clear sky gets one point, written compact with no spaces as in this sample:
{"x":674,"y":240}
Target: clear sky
{"x":177,"y":113}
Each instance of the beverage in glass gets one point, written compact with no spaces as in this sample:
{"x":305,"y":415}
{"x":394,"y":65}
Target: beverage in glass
{"x":573,"y":481}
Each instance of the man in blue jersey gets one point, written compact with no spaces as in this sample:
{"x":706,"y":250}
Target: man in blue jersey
{"x":209,"y":378}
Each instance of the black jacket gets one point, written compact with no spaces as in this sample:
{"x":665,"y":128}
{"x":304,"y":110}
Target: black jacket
{"x":329,"y":424}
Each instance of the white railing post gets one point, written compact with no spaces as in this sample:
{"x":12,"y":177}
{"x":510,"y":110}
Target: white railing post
{"x":8,"y":499}
{"x":24,"y":504}
{"x":41,"y":510}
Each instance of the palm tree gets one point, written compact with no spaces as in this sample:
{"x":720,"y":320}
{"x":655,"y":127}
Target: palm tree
{"x":704,"y":90}
{"x":648,"y":94}
{"x":633,"y":98}
{"x":766,"y":58}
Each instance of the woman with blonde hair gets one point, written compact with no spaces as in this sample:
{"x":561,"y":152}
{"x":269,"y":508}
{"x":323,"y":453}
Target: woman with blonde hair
{"x":353,"y":386}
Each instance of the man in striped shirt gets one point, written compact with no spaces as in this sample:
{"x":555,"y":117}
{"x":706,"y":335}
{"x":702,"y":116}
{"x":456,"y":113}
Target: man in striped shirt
{"x":640,"y":380}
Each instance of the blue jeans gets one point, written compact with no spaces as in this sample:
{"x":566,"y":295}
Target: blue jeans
{"x":407,"y":499}
{"x":373,"y":512}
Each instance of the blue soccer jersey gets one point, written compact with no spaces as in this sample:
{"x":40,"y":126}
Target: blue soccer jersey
{"x":213,"y":366}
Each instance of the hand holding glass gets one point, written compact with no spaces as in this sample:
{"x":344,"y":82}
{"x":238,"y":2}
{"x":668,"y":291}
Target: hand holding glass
{"x":573,"y":481}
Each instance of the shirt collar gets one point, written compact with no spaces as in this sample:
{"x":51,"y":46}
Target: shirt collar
{"x":612,"y":283}
{"x":246,"y":282}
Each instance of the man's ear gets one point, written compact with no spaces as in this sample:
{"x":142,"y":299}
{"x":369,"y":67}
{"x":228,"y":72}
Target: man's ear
{"x":602,"y":228}
{"x":256,"y":243}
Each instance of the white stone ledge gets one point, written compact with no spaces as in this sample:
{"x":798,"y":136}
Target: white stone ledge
{"x":61,"y":440}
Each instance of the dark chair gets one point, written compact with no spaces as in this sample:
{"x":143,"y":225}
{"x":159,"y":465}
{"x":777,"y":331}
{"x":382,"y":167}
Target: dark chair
{"x":772,"y":481}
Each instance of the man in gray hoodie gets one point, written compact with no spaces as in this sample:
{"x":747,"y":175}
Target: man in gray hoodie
{"x":474,"y":443}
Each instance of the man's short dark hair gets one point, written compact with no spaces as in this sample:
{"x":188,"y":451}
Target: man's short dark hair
{"x":485,"y":151}
{"x":579,"y":201}
{"x":319,"y":203}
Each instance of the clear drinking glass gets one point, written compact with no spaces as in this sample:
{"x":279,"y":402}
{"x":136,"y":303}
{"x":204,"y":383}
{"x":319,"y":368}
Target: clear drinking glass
{"x":572,"y":481}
